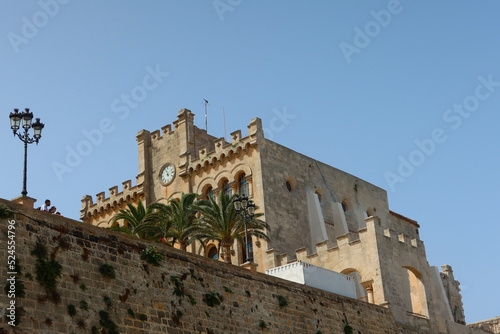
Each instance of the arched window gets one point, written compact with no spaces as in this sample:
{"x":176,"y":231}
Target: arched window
{"x":243,"y":185}
{"x":290,"y":184}
{"x":226,"y":188}
{"x":212,"y":253}
{"x":127,"y":224}
{"x":209,"y":191}
{"x":345,"y":205}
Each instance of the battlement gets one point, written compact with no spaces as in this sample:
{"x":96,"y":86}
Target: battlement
{"x":116,"y":199}
{"x":345,"y":242}
{"x":402,"y":238}
{"x":323,"y":251}
{"x":165,"y":130}
{"x":221,"y":149}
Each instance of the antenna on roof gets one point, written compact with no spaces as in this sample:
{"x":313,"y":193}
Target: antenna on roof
{"x":224,"y":116}
{"x":206,"y":120}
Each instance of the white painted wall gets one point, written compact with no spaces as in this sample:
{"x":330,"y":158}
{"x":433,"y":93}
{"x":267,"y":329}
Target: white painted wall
{"x":316,"y":277}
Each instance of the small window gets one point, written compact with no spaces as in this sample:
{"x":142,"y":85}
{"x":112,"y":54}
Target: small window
{"x":344,"y":205}
{"x":290,"y":184}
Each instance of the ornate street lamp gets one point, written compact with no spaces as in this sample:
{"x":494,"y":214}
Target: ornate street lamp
{"x":246,"y":209}
{"x":25,"y":120}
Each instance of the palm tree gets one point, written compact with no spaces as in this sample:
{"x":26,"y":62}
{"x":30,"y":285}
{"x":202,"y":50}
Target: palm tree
{"x":179,"y":218}
{"x":139,"y":218}
{"x":221,"y":222}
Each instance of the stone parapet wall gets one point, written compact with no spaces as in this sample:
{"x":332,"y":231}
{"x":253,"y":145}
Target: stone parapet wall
{"x":490,"y":326}
{"x":185,"y":294}
{"x":105,"y":207}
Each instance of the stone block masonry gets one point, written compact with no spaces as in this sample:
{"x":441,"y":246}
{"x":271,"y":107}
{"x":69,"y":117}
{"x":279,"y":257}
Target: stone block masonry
{"x":186,"y":294}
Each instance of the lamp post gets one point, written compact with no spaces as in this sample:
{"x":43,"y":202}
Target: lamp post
{"x":15,"y":122}
{"x":246,"y":209}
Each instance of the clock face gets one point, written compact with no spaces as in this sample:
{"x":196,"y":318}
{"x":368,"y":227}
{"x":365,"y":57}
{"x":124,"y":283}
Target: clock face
{"x":167,"y":174}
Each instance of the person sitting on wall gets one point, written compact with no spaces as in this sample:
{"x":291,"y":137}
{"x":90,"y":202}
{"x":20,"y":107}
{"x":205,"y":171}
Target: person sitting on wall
{"x":53,"y":209}
{"x":46,"y":206}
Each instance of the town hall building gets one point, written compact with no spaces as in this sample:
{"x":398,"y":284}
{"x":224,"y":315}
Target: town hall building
{"x":318,"y":214}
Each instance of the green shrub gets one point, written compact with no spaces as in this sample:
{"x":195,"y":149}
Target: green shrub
{"x":282,"y":301}
{"x":107,"y":301}
{"x":178,"y":286}
{"x":107,"y":270}
{"x":5,"y":212}
{"x":151,"y":255}
{"x":40,"y":251}
{"x":192,"y":300}
{"x":47,"y":273}
{"x":71,"y":310}
{"x":106,"y":322}
{"x":212,"y":299}
{"x":84,"y":305}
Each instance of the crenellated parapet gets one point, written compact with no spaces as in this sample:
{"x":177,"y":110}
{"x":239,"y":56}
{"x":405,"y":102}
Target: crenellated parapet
{"x":104,"y":207}
{"x":328,"y":257}
{"x":347,"y":242}
{"x":225,"y":151}
{"x":375,"y":246}
{"x":402,"y":238}
{"x":158,"y":135}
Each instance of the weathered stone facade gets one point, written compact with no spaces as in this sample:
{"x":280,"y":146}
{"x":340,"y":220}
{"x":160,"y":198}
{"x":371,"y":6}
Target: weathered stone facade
{"x":490,"y":326}
{"x":317,"y":214}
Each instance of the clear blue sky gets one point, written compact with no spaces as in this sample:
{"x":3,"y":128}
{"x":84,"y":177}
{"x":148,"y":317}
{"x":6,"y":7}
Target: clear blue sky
{"x":361,"y":93}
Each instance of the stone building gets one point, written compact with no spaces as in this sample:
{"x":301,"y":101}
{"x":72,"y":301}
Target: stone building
{"x":317,"y":213}
{"x":491,"y":325}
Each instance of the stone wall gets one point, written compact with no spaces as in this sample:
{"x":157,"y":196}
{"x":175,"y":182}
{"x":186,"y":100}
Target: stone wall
{"x":490,"y":326}
{"x":452,"y":288}
{"x":173,"y":297}
{"x":287,"y":211}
